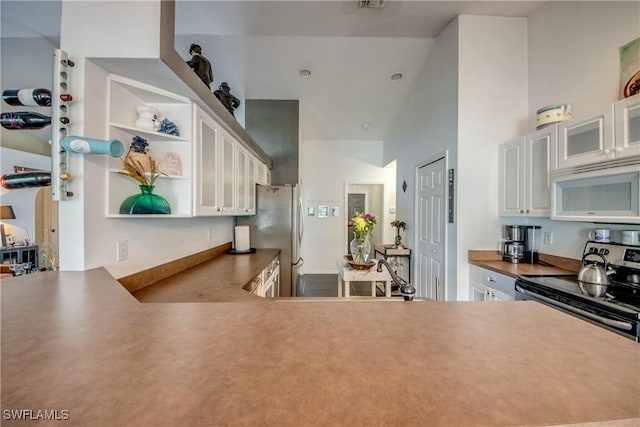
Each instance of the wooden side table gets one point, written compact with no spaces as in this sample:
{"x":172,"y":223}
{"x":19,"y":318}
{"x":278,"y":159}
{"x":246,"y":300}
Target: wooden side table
{"x":346,"y":275}
{"x":400,"y":254}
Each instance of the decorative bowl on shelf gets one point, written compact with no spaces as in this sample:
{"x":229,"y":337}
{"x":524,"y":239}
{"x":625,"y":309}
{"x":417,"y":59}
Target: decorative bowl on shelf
{"x":358,"y":266}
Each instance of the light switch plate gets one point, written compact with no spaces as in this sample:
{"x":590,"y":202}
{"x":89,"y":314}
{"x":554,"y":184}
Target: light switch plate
{"x":122,"y":247}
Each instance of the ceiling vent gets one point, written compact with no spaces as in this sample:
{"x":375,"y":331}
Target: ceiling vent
{"x":371,"y":4}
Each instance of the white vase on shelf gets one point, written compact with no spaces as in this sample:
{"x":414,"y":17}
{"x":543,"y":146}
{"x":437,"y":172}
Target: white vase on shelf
{"x":147,"y":118}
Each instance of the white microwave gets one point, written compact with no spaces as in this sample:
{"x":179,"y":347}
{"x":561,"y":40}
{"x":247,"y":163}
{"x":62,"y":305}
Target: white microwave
{"x":607,"y":192}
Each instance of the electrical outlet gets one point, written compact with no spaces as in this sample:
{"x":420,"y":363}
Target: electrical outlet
{"x":208,"y":234}
{"x":548,"y":238}
{"x":122,"y":247}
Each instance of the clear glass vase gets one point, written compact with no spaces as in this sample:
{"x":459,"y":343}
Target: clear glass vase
{"x":146,"y":202}
{"x":360,"y":249}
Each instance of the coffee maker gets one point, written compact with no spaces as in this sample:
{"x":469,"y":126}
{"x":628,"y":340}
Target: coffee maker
{"x":520,"y":243}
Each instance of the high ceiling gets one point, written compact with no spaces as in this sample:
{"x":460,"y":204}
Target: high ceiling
{"x":259,"y":47}
{"x":334,"y":18}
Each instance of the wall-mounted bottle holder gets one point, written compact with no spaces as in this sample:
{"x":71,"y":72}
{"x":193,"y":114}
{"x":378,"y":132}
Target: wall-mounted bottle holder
{"x":60,"y":120}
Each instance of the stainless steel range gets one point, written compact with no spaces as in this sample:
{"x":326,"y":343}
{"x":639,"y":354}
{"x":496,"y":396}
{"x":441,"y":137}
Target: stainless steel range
{"x":617,"y":310}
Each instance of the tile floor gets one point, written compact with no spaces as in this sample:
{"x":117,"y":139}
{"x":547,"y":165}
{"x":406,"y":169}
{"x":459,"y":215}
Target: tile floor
{"x":326,"y":285}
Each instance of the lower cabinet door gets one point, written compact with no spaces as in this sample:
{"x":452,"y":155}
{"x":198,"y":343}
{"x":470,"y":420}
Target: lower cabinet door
{"x":479,"y":292}
{"x":268,"y":289}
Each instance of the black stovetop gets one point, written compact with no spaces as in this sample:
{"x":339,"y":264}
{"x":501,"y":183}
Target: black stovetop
{"x":621,"y":296}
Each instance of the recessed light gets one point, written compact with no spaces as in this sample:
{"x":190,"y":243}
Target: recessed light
{"x":396,"y":76}
{"x":304,"y":73}
{"x":365,"y":126}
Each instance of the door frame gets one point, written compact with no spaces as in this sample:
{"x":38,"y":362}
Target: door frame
{"x":416,"y":211}
{"x":381,"y":222}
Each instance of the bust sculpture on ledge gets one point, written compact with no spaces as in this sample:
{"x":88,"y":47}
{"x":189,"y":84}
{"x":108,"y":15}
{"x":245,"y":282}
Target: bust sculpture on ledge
{"x":200,"y":65}
{"x":224,"y":95}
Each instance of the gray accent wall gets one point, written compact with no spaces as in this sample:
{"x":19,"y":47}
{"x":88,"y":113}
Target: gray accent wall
{"x":274,"y":125}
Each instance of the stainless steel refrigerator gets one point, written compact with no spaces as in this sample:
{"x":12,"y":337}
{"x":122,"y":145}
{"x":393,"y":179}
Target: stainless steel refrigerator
{"x":277,"y":224}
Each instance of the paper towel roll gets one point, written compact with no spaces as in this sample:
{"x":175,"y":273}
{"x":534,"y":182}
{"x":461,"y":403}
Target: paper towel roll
{"x":242,"y":238}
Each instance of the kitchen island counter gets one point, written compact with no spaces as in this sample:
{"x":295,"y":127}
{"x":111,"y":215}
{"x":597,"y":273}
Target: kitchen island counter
{"x":78,"y":341}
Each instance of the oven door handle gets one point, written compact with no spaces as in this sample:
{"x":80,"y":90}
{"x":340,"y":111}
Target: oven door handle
{"x":613,"y":323}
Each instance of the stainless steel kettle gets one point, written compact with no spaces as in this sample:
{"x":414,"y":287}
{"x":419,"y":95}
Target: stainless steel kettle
{"x":592,"y":273}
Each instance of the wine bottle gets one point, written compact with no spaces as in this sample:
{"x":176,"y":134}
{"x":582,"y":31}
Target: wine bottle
{"x":30,"y":97}
{"x":27,"y":120}
{"x":26,"y":180}
{"x":81,"y":144}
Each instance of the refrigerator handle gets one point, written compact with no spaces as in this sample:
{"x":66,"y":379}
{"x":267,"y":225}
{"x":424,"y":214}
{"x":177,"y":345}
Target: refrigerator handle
{"x":300,"y":221}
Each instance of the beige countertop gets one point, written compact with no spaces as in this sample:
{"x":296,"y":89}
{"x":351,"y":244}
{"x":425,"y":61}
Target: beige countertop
{"x":218,"y":280}
{"x":78,"y":341}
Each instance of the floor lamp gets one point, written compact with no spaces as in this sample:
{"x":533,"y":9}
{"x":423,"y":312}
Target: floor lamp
{"x":6,"y":212}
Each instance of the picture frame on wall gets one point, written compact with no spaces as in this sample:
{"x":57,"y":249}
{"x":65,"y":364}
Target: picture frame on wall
{"x":323,"y":211}
{"x":630,"y":69}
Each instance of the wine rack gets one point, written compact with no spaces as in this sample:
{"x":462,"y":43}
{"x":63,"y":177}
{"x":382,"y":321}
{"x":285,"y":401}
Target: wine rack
{"x":60,"y":176}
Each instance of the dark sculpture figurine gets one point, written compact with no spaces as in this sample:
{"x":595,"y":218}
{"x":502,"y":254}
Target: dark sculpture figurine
{"x":200,"y":64}
{"x":229,"y":101}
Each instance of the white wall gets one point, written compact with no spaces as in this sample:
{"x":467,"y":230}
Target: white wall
{"x":325,"y":169}
{"x":565,"y":52}
{"x":87,"y":238}
{"x":427,"y":127}
{"x":574,"y":53}
{"x":22,"y":200}
{"x":266,"y":67}
{"x":573,"y":56}
{"x":492,"y":108}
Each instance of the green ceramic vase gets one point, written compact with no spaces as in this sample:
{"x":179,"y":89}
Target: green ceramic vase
{"x":145,"y":203}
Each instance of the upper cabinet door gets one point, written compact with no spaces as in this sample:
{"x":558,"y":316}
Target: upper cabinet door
{"x":587,"y":139}
{"x":511,"y":179}
{"x":525,"y":174}
{"x":251,"y":187}
{"x":228,"y":174}
{"x":206,"y":162}
{"x":541,"y":149}
{"x":627,"y":127}
{"x":241,"y":181}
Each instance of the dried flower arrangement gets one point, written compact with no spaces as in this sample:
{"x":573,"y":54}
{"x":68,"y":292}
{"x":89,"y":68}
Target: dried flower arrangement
{"x":134,"y":169}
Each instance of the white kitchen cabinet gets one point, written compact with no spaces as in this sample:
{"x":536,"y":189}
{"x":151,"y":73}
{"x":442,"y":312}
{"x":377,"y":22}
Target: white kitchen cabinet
{"x":271,"y":277}
{"x":251,"y":189}
{"x":267,"y":283}
{"x":272,"y":285}
{"x":487,"y":285}
{"x":626,"y":114}
{"x":123,"y":96}
{"x":261,"y":173}
{"x":587,"y":139}
{"x":215,"y":166}
{"x":524,"y":174}
{"x":245,"y":183}
{"x":242,"y":180}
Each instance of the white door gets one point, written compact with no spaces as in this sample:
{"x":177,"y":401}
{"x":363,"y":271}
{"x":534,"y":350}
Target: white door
{"x":431,"y":226}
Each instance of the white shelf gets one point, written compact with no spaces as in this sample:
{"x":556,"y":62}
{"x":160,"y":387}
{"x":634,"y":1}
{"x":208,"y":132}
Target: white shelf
{"x":155,"y":135}
{"x":123,"y":97}
{"x":148,"y":174}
